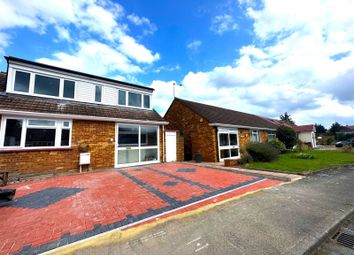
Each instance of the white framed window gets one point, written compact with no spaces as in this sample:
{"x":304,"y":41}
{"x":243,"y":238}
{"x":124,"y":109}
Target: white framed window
{"x":134,"y":99}
{"x":122,"y":97}
{"x":255,"y":136}
{"x":147,"y":101}
{"x":28,"y":133}
{"x":228,"y":144}
{"x":136,"y":144}
{"x":271,"y":136}
{"x":43,"y":85}
{"x":98,"y":93}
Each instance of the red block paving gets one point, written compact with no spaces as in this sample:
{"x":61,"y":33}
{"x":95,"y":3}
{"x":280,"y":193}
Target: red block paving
{"x":106,"y":200}
{"x":206,"y":176}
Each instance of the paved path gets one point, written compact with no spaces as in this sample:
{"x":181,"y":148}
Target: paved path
{"x":289,"y":219}
{"x":58,"y":211}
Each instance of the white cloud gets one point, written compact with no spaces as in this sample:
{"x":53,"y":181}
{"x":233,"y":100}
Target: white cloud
{"x":93,"y":57}
{"x":223,"y":23}
{"x":4,"y":42}
{"x":150,"y":28}
{"x":98,"y":21}
{"x":194,"y":45}
{"x":302,"y":64}
{"x":166,"y":68}
{"x":136,"y":51}
{"x":63,"y":33}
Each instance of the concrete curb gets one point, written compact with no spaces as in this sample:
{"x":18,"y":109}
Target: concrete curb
{"x":328,"y":234}
{"x":258,"y":173}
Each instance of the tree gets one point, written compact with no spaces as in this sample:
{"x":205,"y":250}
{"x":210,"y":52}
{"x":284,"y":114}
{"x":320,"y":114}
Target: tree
{"x":335,"y":128}
{"x":320,"y":129}
{"x":287,"y":135}
{"x":286,"y":118}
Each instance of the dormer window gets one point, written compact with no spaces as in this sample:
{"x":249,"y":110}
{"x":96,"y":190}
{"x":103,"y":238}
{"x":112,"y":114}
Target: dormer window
{"x":147,"y":101}
{"x":45,"y":85}
{"x":98,"y":93}
{"x":69,"y":89}
{"x":22,"y":81}
{"x":122,"y":99}
{"x":134,"y":99}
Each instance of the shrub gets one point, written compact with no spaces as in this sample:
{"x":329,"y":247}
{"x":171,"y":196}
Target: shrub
{"x":278,"y":145}
{"x":347,"y":148}
{"x":262,"y":152}
{"x":287,"y":136}
{"x":300,"y":146}
{"x":304,"y":156}
{"x":245,"y":159}
{"x":329,"y":141}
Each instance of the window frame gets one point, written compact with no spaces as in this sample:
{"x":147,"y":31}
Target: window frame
{"x":141,"y":99}
{"x":139,"y":147}
{"x":58,"y":126}
{"x":272,"y":133}
{"x":229,"y":146}
{"x":256,"y":131}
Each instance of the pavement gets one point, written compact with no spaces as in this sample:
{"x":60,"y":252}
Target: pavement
{"x":341,"y":243}
{"x":55,"y":212}
{"x":290,"y":219}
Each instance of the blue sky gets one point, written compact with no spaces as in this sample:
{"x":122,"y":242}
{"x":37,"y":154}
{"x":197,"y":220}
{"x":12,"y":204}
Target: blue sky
{"x":263,"y":57}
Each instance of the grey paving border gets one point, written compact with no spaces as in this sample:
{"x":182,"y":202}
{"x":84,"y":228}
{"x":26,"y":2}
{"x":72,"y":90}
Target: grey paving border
{"x":67,"y":238}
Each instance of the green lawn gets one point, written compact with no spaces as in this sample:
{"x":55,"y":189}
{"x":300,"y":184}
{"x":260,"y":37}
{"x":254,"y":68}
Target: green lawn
{"x":323,"y":159}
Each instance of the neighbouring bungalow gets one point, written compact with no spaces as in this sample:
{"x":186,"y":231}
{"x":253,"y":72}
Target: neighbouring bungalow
{"x":49,"y":115}
{"x":305,"y":133}
{"x":216,"y":133}
{"x":345,"y":130}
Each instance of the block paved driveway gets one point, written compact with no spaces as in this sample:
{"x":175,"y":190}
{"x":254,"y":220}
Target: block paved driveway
{"x":54,"y":212}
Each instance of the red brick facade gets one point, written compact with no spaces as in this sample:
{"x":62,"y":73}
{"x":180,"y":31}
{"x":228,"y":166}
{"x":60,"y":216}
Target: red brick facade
{"x":100,"y":136}
{"x":198,"y":135}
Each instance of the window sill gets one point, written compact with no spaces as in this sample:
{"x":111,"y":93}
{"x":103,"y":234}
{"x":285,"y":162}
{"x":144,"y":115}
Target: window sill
{"x":33,"y":149}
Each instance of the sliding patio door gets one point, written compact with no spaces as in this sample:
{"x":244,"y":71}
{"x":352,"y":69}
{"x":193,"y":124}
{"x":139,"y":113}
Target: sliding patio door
{"x":136,"y":145}
{"x":228,"y":144}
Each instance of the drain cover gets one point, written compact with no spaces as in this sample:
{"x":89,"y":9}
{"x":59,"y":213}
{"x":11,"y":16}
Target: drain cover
{"x":344,"y":239}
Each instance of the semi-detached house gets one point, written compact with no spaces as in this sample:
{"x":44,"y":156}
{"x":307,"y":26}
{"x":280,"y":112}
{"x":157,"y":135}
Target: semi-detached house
{"x":48,"y":114}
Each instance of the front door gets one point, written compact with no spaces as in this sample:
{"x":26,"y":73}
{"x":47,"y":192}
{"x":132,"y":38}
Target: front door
{"x":171,"y":146}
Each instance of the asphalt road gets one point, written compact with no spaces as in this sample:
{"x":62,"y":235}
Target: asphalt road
{"x":289,"y":219}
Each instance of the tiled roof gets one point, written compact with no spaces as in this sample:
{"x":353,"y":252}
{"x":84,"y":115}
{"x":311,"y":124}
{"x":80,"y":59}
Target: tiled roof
{"x":347,"y":128}
{"x":303,"y":128}
{"x":15,"y":102}
{"x":226,"y":116}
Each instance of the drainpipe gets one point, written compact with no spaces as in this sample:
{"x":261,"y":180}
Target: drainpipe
{"x":163,"y":143}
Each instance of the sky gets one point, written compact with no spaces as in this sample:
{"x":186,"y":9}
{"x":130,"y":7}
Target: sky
{"x":263,"y":57}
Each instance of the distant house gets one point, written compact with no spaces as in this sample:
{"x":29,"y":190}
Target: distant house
{"x":217,"y":133}
{"x":307,"y":134}
{"x":348,"y":129}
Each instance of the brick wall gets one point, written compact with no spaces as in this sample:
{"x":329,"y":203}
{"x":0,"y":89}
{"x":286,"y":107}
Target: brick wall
{"x":195,"y":130}
{"x":97,"y":135}
{"x":263,"y":136}
{"x":245,"y":136}
{"x":180,"y":146}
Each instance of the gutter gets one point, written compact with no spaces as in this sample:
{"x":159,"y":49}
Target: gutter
{"x":239,"y":126}
{"x":79,"y":117}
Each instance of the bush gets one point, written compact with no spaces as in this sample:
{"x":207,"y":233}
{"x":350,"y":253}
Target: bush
{"x":262,"y":152}
{"x":300,"y":146}
{"x":287,"y":135}
{"x":304,"y":156}
{"x":329,"y":141}
{"x":278,"y":145}
{"x":245,"y":159}
{"x":347,"y":148}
